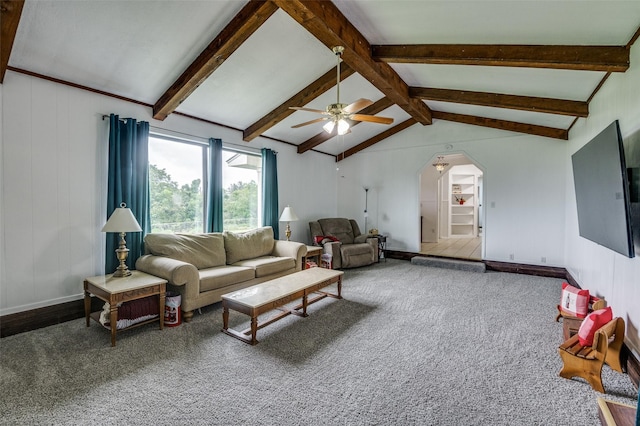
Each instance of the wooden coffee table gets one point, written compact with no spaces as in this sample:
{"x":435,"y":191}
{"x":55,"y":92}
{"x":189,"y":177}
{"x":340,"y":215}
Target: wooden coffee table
{"x":273,"y":294}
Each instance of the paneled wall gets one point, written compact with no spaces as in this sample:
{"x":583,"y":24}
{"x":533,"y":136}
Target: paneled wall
{"x":53,"y":171}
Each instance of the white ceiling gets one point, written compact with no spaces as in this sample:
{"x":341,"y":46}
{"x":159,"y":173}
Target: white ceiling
{"x":137,"y":49}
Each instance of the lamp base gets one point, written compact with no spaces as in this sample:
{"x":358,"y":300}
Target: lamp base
{"x":122,"y":252}
{"x":122,"y":272}
{"x":287,"y":232}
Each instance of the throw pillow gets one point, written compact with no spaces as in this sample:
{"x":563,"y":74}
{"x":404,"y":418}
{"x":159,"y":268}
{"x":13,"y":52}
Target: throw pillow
{"x":248,"y":245}
{"x":323,"y":239}
{"x":574,"y":301}
{"x":330,"y":239}
{"x":201,"y":250}
{"x":592,"y":323}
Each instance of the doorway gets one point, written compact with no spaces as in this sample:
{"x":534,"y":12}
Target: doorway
{"x":451,"y":210}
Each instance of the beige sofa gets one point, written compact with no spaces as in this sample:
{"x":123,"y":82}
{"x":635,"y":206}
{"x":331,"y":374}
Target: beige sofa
{"x":203,"y":267}
{"x":352,"y":249}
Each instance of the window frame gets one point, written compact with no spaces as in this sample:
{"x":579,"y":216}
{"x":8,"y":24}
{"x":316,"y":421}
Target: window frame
{"x":194,"y":141}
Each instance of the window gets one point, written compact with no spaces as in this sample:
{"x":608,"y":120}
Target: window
{"x":177,"y":186}
{"x":176,"y":177}
{"x":242,"y":181}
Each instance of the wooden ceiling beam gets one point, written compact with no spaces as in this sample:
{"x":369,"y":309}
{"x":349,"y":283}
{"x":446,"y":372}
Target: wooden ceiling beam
{"x":497,"y":100}
{"x":378,"y":106}
{"x":530,"y":129}
{"x":10,"y":12}
{"x":325,"y":21}
{"x":302,"y":98}
{"x":377,"y":138}
{"x":245,"y":23}
{"x":584,"y":58}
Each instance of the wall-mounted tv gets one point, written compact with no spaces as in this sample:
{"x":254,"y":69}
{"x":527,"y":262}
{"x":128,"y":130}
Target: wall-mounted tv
{"x":633,"y":174}
{"x":602,"y":191}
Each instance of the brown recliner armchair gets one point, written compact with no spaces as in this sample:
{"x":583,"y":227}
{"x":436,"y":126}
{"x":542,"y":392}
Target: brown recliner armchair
{"x":352,"y":249}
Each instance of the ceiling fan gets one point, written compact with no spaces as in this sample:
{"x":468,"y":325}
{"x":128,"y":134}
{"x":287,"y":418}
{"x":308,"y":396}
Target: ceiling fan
{"x":338,"y":113}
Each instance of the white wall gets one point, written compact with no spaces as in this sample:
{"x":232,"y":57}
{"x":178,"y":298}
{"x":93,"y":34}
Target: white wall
{"x":54,"y":162}
{"x":604,"y":272}
{"x":523,"y":186}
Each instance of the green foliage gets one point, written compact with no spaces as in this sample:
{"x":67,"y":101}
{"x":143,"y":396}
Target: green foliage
{"x":181,"y":209}
{"x":240,"y":206}
{"x":174,"y":209}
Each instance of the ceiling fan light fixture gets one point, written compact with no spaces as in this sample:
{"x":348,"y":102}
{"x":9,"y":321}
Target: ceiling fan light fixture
{"x":338,"y":113}
{"x":328,"y":127}
{"x":343,"y":126}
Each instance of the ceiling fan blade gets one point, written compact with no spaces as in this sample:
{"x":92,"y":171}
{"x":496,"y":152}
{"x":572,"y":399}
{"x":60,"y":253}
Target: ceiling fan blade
{"x":319,"y":111}
{"x":357,"y":105}
{"x":371,"y":118}
{"x":317,"y":120}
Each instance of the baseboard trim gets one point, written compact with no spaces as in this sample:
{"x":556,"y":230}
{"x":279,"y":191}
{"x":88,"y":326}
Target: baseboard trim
{"x":633,"y":365}
{"x":516,"y":268}
{"x":521,"y":268}
{"x":43,"y":317}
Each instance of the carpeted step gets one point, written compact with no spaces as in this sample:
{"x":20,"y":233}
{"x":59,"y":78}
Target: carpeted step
{"x":460,"y":265}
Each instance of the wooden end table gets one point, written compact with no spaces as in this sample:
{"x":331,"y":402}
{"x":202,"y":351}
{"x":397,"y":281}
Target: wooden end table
{"x":122,"y":289}
{"x":312,"y":251}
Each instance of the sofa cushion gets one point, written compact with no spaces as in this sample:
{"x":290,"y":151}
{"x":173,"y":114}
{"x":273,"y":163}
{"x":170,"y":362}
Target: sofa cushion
{"x":339,"y":228}
{"x":201,"y":250}
{"x":268,"y":265}
{"x":222,"y":276}
{"x":248,"y":245}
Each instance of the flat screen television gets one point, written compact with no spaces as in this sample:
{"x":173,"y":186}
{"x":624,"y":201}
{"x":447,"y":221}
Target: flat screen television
{"x":633,"y":174}
{"x":602,"y":192}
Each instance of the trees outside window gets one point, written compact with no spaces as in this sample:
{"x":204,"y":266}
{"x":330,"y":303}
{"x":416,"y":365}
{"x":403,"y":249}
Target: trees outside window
{"x":176,"y":186}
{"x":241,"y":176}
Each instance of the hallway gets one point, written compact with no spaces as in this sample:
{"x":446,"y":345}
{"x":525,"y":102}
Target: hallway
{"x":459,"y":248}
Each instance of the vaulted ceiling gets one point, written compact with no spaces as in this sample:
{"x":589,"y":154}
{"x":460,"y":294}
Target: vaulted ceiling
{"x":520,"y":66}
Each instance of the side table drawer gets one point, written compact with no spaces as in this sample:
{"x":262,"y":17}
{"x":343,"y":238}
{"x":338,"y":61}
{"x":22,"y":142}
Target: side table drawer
{"x":137,"y":293}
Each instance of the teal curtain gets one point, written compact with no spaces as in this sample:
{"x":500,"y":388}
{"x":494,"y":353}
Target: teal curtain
{"x":214,"y":187}
{"x":270,"y":190}
{"x":638,"y":411}
{"x":128,"y":182}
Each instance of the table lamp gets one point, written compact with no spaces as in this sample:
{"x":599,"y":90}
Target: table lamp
{"x":122,"y":221}
{"x":288,"y":216}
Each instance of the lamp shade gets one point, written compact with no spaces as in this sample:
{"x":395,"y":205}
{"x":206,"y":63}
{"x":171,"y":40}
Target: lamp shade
{"x":122,"y":220}
{"x":288,"y":215}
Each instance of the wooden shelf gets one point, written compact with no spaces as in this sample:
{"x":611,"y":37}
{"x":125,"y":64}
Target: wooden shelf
{"x":462,"y":217}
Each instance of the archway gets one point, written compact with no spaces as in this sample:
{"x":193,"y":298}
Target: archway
{"x":451,"y":208}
